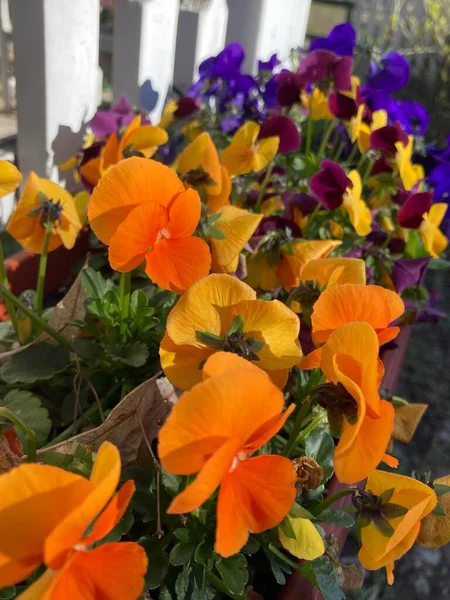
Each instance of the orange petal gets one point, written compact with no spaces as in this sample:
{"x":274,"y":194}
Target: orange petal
{"x":268,"y":430}
{"x":110,"y":154}
{"x":184,"y":214}
{"x":407,"y":419}
{"x":131,"y":182}
{"x":147,"y":138}
{"x":208,"y":480}
{"x":224,"y":362}
{"x":202,"y":153}
{"x":206,"y":306}
{"x":41,"y":587}
{"x":389,"y":460}
{"x":112,"y":514}
{"x":261,"y":275}
{"x":105,"y":477}
{"x":136,"y":234}
{"x":91,"y":171}
{"x":215,"y":410}
{"x":312,"y":361}
{"x":291,"y":266}
{"x":358,"y":341}
{"x":256,"y":496}
{"x":368,"y":448}
{"x":10,"y":178}
{"x":176,"y":264}
{"x":113,"y":571}
{"x":351,"y":270}
{"x":215,"y":202}
{"x":182,"y":365}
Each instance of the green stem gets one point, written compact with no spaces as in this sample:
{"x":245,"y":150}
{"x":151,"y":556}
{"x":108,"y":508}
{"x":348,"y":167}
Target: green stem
{"x":305,"y":432}
{"x":9,"y":306}
{"x":4,"y":291}
{"x":325,"y":137}
{"x":366,"y":174}
{"x":312,"y":216}
{"x":361,"y":162}
{"x":337,"y":154}
{"x":28,"y":433}
{"x":292,"y":441}
{"x":352,"y":154}
{"x":218,"y":583}
{"x":263,"y":187}
{"x":90,"y":412}
{"x":125,"y":295}
{"x":309,"y":132}
{"x":332,"y":499}
{"x":43,"y":269}
{"x":285,"y":558}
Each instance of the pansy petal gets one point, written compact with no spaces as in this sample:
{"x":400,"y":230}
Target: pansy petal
{"x":182,"y":364}
{"x":135,"y":235}
{"x":202,"y":153}
{"x":206,"y":307}
{"x":176,"y":264}
{"x":308,"y":544}
{"x":247,"y":134}
{"x":21,"y":225}
{"x":147,"y":138}
{"x":131,"y":182}
{"x":224,"y":362}
{"x":10,"y":178}
{"x":237,"y":159}
{"x":265,"y":153}
{"x":184,"y":214}
{"x":256,"y":496}
{"x":105,"y":477}
{"x":40,"y":588}
{"x":216,"y":201}
{"x":351,"y":270}
{"x":407,"y":419}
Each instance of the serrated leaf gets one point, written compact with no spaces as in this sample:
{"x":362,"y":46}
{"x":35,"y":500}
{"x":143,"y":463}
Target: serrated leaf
{"x":320,"y":446}
{"x":234,"y":572}
{"x":29,"y":409}
{"x":94,"y":284}
{"x":337,"y":517}
{"x":35,"y":363}
{"x":279,"y":568}
{"x":326,"y":578}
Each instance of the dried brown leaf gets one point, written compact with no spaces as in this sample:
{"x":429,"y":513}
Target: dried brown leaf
{"x":407,"y":419}
{"x":8,"y":459}
{"x":144,"y":408}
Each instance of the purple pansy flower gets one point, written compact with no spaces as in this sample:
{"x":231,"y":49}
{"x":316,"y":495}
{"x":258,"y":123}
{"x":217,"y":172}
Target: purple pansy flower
{"x":106,"y":122}
{"x":329,"y":184}
{"x":275,"y":223}
{"x":268,"y":65}
{"x":285,"y":129}
{"x":341,"y":40}
{"x":407,"y":272}
{"x":412,"y":115}
{"x":304,"y":202}
{"x":391,"y":73}
{"x":415,"y":205}
{"x":231,"y":123}
{"x":439,"y":179}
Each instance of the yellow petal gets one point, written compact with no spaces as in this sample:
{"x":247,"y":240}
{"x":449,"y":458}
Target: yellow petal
{"x":81,"y":205}
{"x":260,"y":274}
{"x":265,"y":152}
{"x":10,"y":178}
{"x":247,"y":134}
{"x":407,"y":419}
{"x":335,"y":271}
{"x":238,"y":225}
{"x":308,"y":544}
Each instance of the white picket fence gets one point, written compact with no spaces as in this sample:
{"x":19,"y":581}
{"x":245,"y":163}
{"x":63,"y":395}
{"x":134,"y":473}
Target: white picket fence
{"x":156,"y":42}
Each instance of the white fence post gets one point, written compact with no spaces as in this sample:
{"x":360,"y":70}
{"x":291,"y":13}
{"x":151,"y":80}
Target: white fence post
{"x":201,"y":34}
{"x":56,"y":66}
{"x":264,"y":27}
{"x":144,"y":51}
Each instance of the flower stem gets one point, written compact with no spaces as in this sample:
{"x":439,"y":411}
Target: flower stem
{"x":352,"y":154}
{"x":28,"y":433}
{"x":9,"y":305}
{"x":332,"y":499}
{"x":262,"y":189}
{"x":43,"y":325}
{"x":125,"y":294}
{"x":337,"y":154}
{"x":367,"y":171}
{"x":219,"y":584}
{"x":292,"y":441}
{"x":309,"y":132}
{"x":285,"y":558}
{"x":90,"y":412}
{"x":311,"y":425}
{"x":325,"y":138}
{"x":43,"y":269}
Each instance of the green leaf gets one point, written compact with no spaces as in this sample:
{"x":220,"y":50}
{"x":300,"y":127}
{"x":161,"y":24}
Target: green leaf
{"x":35,"y":363}
{"x":7,"y":593}
{"x":441,"y":489}
{"x":216,"y":233}
{"x":237,"y":326}
{"x":439,"y":511}
{"x":320,"y":446}
{"x":172,"y":483}
{"x":29,"y":409}
{"x":287,"y":529}
{"x":386,"y":495}
{"x":182,"y":533}
{"x":213,"y":218}
{"x":251,"y":547}
{"x":181,"y":553}
{"x":299,"y":511}
{"x":134,"y":354}
{"x":182,"y":585}
{"x":164,"y":594}
{"x":158,"y":562}
{"x":326,"y":578}
{"x":414,"y":246}
{"x":337,"y":517}
{"x":214,"y":341}
{"x":439,"y":264}
{"x":279,"y":568}
{"x":203,"y":552}
{"x":391,"y":511}
{"x":94,"y":284}
{"x":234,"y":572}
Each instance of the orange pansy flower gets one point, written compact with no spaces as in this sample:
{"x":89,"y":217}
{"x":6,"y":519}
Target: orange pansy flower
{"x":212,"y":431}
{"x":377,"y":549}
{"x":27,"y":223}
{"x":44,"y":513}
{"x":245,"y":154}
{"x":201,"y":323}
{"x":238,"y":226}
{"x":351,"y":302}
{"x":288,"y":272}
{"x":350,"y":362}
{"x":10,"y":178}
{"x":142,"y":210}
{"x":137,"y":139}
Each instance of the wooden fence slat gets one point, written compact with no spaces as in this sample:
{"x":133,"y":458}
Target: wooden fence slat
{"x":264,"y":27}
{"x":201,"y":34}
{"x":56,"y":66}
{"x":145,"y":34}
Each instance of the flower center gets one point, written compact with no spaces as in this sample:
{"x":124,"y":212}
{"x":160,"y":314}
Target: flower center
{"x":162,"y":234}
{"x":240,"y":456}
